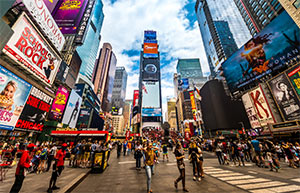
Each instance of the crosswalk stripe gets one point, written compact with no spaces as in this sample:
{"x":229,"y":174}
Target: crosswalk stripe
{"x":226,"y":174}
{"x":261,"y":185}
{"x":217,"y":172}
{"x":296,"y":180}
{"x":248,"y":181}
{"x":213,"y":169}
{"x":288,"y":188}
{"x":236,"y":178}
{"x":207,"y":167}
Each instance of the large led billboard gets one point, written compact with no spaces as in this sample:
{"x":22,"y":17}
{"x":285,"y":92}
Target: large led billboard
{"x":14,"y":92}
{"x":150,"y":69}
{"x":31,"y":51}
{"x":72,"y":110}
{"x":150,"y":35}
{"x":151,"y":95}
{"x":59,"y":104}
{"x":135,"y":97}
{"x":285,"y":97}
{"x":294,"y":76}
{"x":68,"y":15}
{"x":265,"y":53}
{"x":150,"y":50}
{"x":150,"y":112}
{"x":50,"y":4}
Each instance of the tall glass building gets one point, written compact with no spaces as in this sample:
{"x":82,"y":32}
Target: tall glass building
{"x":119,"y":88}
{"x":210,"y":12}
{"x":88,"y":51}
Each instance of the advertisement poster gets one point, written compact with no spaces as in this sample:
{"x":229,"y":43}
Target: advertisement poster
{"x":193,"y":104}
{"x":150,"y":50}
{"x":266,"y":52}
{"x":183,"y":84}
{"x":41,"y":14}
{"x":261,"y":106}
{"x":35,"y":110}
{"x":14,"y":93}
{"x":68,"y":15}
{"x":83,"y":118}
{"x":294,"y":76}
{"x":59,"y":104}
{"x":150,"y":35}
{"x":31,"y":51}
{"x":151,"y":69}
{"x":151,"y":95}
{"x":251,"y":113}
{"x":285,"y":97}
{"x":50,"y":4}
{"x":135,"y":97}
{"x":150,"y":112}
{"x":72,"y":110}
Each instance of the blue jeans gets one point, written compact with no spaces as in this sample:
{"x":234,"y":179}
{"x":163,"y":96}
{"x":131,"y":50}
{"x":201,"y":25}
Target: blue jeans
{"x":149,"y":172}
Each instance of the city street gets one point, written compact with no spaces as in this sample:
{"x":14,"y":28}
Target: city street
{"x":121,"y":176}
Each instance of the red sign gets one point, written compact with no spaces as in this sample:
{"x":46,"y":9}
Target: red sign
{"x":150,"y":48}
{"x":135,"y":97}
{"x":127,"y":135}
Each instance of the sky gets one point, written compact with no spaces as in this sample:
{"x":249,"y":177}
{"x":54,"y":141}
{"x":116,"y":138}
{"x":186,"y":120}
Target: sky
{"x":178,"y":36}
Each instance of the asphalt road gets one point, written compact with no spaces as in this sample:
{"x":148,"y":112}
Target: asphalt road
{"x":121,"y":176}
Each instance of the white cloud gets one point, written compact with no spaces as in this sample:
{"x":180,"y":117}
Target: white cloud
{"x":123,"y":27}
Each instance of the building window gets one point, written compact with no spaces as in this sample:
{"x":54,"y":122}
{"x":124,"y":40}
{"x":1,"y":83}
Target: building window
{"x":264,"y":22}
{"x":264,"y":5}
{"x":258,"y":13}
{"x":277,"y":6}
{"x":256,"y":7}
{"x":261,"y":1}
{"x":267,"y":10}
{"x":271,"y":14}
{"x":261,"y":17}
{"x":273,"y":2}
{"x":297,"y":4}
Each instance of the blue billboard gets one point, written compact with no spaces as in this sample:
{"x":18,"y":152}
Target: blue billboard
{"x":267,"y":52}
{"x":150,"y":35}
{"x":183,"y":84}
{"x":151,"y":112}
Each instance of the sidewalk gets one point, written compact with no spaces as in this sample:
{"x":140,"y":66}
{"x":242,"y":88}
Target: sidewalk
{"x":40,"y":182}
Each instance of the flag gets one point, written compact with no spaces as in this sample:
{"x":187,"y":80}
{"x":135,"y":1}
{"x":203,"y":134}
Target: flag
{"x":144,"y":88}
{"x":197,"y":93}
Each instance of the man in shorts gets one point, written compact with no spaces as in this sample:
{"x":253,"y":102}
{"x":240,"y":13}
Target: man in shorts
{"x":165,"y":152}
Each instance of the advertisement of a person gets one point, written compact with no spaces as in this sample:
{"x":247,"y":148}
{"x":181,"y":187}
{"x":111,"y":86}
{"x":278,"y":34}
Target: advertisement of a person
{"x":14,"y":93}
{"x":72,"y":110}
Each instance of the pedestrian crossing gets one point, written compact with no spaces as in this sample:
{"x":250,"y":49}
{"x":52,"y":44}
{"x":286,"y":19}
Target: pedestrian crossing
{"x":251,"y":183}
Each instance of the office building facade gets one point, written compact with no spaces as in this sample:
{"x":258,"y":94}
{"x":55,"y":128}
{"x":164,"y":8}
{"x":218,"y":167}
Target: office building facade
{"x":258,"y":13}
{"x":119,"y":88}
{"x":211,"y":16}
{"x":293,"y":9}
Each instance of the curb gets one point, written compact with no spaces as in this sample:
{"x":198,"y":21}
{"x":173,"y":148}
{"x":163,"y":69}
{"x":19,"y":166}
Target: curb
{"x":72,"y":185}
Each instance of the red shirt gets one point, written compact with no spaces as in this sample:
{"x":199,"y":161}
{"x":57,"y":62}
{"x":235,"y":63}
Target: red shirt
{"x":60,"y":157}
{"x":23,"y":163}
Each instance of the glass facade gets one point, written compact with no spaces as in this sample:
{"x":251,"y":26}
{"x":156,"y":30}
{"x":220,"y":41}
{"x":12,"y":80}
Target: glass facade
{"x":119,"y":88}
{"x":188,"y":68}
{"x":208,"y":13}
{"x":88,"y":51}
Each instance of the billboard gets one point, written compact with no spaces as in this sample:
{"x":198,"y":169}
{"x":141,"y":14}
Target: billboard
{"x":150,"y":35}
{"x":193,"y":104}
{"x":150,"y":50}
{"x":285,"y":97}
{"x":14,"y":93}
{"x":151,"y":95}
{"x":261,"y":106}
{"x":35,"y":110}
{"x":251,"y":113}
{"x":29,"y":49}
{"x":294,"y":76}
{"x":151,"y":112}
{"x":72,"y":110}
{"x":59,"y":104}
{"x":50,"y":4}
{"x":74,"y":68}
{"x":83,"y":118}
{"x":183,"y":84}
{"x":68,"y":15}
{"x":135,"y":97}
{"x":150,"y":69}
{"x":43,"y":17}
{"x":265,"y":53}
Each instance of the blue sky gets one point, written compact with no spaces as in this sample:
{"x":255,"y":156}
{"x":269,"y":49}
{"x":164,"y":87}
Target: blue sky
{"x":177,"y":30}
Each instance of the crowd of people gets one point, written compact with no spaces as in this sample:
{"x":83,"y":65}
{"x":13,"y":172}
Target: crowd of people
{"x":264,"y":153}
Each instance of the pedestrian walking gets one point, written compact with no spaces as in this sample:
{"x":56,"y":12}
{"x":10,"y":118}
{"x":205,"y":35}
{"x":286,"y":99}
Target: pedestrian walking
{"x":138,"y":155}
{"x":194,"y":157}
{"x":124,"y":147}
{"x":179,"y":154}
{"x":165,"y":152}
{"x":51,"y":155}
{"x":23,"y":165}
{"x":219,"y":149}
{"x":119,"y":149}
{"x":149,"y":162}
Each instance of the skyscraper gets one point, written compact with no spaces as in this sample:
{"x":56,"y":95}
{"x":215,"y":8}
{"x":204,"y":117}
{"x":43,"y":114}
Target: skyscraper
{"x":211,"y":16}
{"x":293,"y":9}
{"x":119,"y":88}
{"x":88,"y":50}
{"x":258,"y":13}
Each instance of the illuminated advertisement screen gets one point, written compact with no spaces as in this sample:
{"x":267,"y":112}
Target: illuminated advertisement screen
{"x":150,"y":35}
{"x":35,"y":110}
{"x":50,"y":4}
{"x":150,"y":112}
{"x":268,"y":51}
{"x":59,"y":104}
{"x":151,"y":69}
{"x":72,"y":110}
{"x":13,"y":95}
{"x":31,"y":51}
{"x":151,"y":95}
{"x":183,"y":84}
{"x":68,"y":15}
{"x":135,"y":97}
{"x":150,"y":50}
{"x":285,"y":97}
{"x":251,"y":113}
{"x":294,"y":76}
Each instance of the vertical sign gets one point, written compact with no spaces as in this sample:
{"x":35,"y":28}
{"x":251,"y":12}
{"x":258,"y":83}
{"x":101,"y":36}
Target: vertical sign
{"x":251,"y":113}
{"x":59,"y":104}
{"x":294,"y":76}
{"x":193,"y":103}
